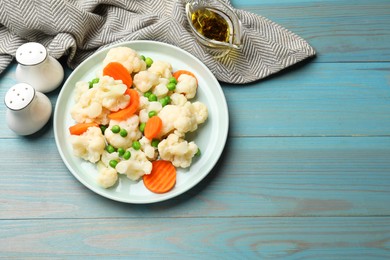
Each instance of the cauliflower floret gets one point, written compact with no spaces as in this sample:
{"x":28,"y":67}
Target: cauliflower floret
{"x":136,"y":166}
{"x":201,"y":112}
{"x":161,"y":89}
{"x":145,"y":80}
{"x":92,"y":113}
{"x":186,"y":121}
{"x":128,"y":57}
{"x":186,"y":85}
{"x":94,"y":105}
{"x":107,"y":157}
{"x":110,"y":93}
{"x":89,"y":145}
{"x":180,"y":118}
{"x":152,"y":106}
{"x":107,"y":177}
{"x":80,"y":88}
{"x":177,"y":150}
{"x":143,"y":102}
{"x":86,"y":109}
{"x":133,"y":132}
{"x":178,"y":99}
{"x":161,"y":68}
{"x":143,"y":116}
{"x":168,"y":115}
{"x":148,"y":149}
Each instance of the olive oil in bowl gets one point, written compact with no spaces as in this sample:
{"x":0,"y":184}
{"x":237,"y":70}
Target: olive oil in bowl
{"x":215,"y":25}
{"x":212,"y":24}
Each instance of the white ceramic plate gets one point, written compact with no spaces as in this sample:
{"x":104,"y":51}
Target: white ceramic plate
{"x":210,"y":137}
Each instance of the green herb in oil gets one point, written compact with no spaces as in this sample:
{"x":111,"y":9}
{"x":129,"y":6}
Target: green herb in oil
{"x":211,"y":24}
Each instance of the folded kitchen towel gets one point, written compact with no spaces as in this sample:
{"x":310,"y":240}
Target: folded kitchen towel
{"x":77,"y":28}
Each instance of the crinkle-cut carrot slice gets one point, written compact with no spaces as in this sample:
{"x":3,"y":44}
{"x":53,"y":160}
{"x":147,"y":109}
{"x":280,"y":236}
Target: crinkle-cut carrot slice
{"x":162,"y":177}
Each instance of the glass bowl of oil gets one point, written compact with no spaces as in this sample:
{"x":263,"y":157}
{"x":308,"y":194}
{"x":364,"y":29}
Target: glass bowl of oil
{"x":215,"y":25}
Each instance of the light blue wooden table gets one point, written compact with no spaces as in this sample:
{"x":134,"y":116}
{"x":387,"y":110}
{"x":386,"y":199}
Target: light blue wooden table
{"x":305,"y":173}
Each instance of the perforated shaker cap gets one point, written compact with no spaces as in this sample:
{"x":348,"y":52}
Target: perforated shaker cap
{"x":19,"y":96}
{"x":31,"y":53}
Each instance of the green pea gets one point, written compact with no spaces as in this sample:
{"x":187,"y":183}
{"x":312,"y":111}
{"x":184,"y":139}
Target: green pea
{"x":113,"y":163}
{"x":94,"y":81}
{"x":165,"y":101}
{"x":148,"y":62}
{"x":173,"y":80}
{"x":155,"y":142}
{"x":142,"y":127}
{"x":121,"y":151}
{"x":123,"y":132}
{"x":136,"y":145}
{"x":110,"y":148}
{"x":143,"y":57}
{"x":116,"y":129}
{"x":152,"y":97}
{"x":171,"y":86}
{"x":103,"y":128}
{"x":152,"y":113}
{"x":198,"y":153}
{"x":127,"y":155}
{"x":147,"y":94}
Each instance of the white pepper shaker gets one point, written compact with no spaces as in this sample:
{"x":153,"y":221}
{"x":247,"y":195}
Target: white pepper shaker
{"x":28,"y":110}
{"x":37,"y":68}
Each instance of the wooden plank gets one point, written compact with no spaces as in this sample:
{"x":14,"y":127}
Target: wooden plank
{"x":205,"y":238}
{"x":317,"y":99}
{"x":340,"y":31}
{"x":325,"y":176}
{"x":304,"y":175}
{"x":314,"y":100}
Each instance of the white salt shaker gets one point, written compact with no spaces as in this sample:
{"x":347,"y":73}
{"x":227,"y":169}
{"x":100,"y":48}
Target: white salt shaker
{"x":28,"y":110}
{"x":37,"y":68}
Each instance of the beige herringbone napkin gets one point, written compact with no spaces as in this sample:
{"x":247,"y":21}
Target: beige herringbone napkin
{"x":77,"y":28}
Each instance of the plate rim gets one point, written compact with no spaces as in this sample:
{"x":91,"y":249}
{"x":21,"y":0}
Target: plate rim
{"x":162,"y":197}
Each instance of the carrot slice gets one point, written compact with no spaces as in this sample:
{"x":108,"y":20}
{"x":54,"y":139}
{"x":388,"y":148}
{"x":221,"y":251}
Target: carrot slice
{"x":127,"y":92}
{"x":153,"y":127}
{"x":130,"y":110}
{"x":80,"y":128}
{"x":178,"y":73}
{"x":162,"y":178}
{"x":117,"y":71}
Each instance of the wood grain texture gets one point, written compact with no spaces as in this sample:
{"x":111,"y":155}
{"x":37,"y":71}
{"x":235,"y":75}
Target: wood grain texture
{"x":340,"y":31}
{"x":205,"y":238}
{"x":254,"y":177}
{"x":317,"y":99}
{"x":305,"y":173}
